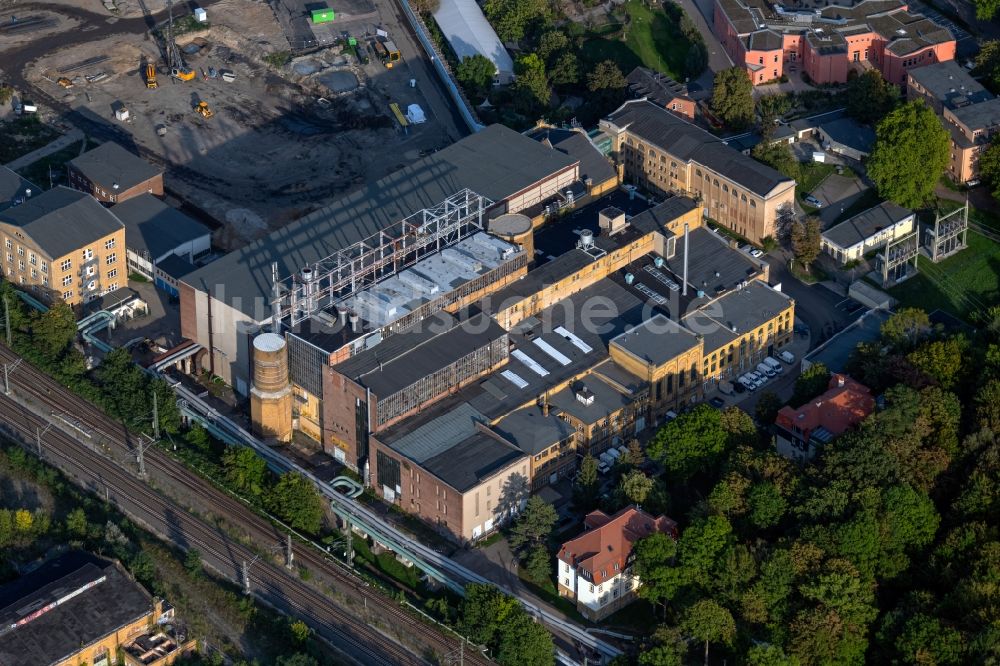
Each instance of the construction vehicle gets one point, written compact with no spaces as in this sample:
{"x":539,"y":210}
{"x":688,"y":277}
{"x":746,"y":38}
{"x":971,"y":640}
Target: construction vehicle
{"x":203,"y":110}
{"x":387,"y":52}
{"x":64,"y":82}
{"x":151,"y":76}
{"x":178,"y":68}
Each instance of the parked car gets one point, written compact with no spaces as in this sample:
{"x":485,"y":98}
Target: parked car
{"x":717,"y":402}
{"x":787,"y":356}
{"x":773,"y":363}
{"x":603,"y":468}
{"x":812,"y":201}
{"x":766,"y":370}
{"x":670,"y":416}
{"x":748,"y":384}
{"x":756,"y":253}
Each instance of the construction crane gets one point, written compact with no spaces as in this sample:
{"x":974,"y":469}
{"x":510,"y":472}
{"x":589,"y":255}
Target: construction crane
{"x":178,"y":68}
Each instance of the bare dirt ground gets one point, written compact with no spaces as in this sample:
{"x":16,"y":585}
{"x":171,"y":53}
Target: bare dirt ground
{"x":281,"y":143}
{"x":19,"y":28}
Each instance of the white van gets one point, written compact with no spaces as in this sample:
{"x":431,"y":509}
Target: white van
{"x":766,"y":370}
{"x":787,"y":357}
{"x":603,"y":468}
{"x":773,"y":363}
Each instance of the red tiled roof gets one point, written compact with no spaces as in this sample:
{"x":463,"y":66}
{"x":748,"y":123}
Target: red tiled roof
{"x":608,"y":540}
{"x":845,"y":404}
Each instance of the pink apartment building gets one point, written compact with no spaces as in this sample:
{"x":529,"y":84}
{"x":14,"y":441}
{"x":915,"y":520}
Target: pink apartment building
{"x":827,"y":40}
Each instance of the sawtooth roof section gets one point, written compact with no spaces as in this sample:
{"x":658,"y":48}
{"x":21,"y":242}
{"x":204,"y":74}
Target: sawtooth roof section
{"x":497,"y":162}
{"x":469,"y":33}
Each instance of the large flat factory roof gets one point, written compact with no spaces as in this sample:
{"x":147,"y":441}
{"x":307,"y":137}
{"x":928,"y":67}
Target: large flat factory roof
{"x":496,"y":163}
{"x":393,"y":374}
{"x":727,"y":318}
{"x":396,"y":296}
{"x":453,"y":445}
{"x":657,"y":340}
{"x":563,"y":341}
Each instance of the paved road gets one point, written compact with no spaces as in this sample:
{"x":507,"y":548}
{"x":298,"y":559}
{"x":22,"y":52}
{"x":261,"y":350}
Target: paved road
{"x":66,"y":140}
{"x":702,"y":13}
{"x":818,"y":306}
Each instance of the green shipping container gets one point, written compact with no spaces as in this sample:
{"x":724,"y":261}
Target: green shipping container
{"x":322,"y":15}
{"x":352,"y":41}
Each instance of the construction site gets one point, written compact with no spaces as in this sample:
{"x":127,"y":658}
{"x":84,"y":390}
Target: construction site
{"x":249,"y":133}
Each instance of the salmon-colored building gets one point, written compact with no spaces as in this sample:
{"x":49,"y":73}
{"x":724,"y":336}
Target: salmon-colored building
{"x":826,"y":43}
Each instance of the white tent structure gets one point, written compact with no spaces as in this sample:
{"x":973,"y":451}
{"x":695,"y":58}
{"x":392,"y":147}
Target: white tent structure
{"x":469,"y":33}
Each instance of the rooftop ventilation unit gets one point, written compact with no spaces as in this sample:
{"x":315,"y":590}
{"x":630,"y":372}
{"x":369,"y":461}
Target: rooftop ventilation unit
{"x":585,"y":396}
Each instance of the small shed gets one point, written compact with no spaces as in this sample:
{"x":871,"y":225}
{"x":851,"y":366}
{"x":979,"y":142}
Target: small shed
{"x":323,"y":15}
{"x":415,"y":114}
{"x":200,"y":15}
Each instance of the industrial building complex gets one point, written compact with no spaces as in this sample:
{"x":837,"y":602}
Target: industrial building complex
{"x":447,"y":361}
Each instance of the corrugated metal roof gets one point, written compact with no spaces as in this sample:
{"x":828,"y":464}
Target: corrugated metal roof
{"x":469,"y":33}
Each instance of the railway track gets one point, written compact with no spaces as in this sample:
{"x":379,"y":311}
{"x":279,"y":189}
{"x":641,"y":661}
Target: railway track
{"x":110,"y":439}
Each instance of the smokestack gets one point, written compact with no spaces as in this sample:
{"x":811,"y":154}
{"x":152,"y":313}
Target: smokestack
{"x":275,"y":300}
{"x":684,"y":287}
{"x":354,"y":321}
{"x":342,"y":313}
{"x":545,"y":404}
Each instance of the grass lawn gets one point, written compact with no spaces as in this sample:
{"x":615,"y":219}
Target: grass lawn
{"x":962,"y":284}
{"x":652,"y":38}
{"x":38,"y":172}
{"x":813,"y":174}
{"x":23,"y":135}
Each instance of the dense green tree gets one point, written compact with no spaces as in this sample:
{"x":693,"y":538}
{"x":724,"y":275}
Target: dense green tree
{"x":297,"y":659}
{"x":19,"y":315}
{"x":987,"y":405}
{"x":636,"y":486}
{"x":940,"y":360}
{"x":634,"y":456}
{"x":534,"y":525}
{"x":910,"y":154}
{"x":738,"y":426}
{"x":531,"y":87}
{"x":729,"y":496}
{"x":54,"y":331}
{"x":295,"y":500}
{"x":667,"y":648}
{"x":869,"y":97}
{"x":986,"y":9}
{"x":812,"y":382}
{"x":476,"y":73}
{"x":298,"y":631}
{"x":925,"y":640}
{"x":988,"y":61}
{"x":538,"y":564}
{"x":192,"y":562}
{"x":510,"y":18}
{"x":767,"y":407}
{"x":696,"y":59}
{"x":655,"y":567}
{"x":770,"y":108}
{"x":732,"y":97}
{"x":587,"y":486}
{"x":709,"y":622}
{"x":778,"y":155}
{"x":989,"y":166}
{"x":524,"y":642}
{"x":767,"y":505}
{"x":806,"y":241}
{"x":76,"y":523}
{"x":905,"y":327}
{"x":701,"y":546}
{"x":607,"y":84}
{"x":551,"y":45}
{"x":769,"y":655}
{"x":692,"y":442}
{"x":245,"y":471}
{"x":564,"y":70}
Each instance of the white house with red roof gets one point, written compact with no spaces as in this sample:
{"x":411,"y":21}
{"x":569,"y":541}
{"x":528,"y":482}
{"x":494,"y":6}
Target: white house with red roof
{"x":595,"y":568}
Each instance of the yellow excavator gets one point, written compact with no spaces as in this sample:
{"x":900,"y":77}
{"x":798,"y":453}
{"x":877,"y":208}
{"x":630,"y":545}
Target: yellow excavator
{"x":203,"y":110}
{"x":151,"y":76}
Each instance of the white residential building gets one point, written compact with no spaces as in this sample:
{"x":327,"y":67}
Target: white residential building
{"x":867,"y":231}
{"x":595,"y":568}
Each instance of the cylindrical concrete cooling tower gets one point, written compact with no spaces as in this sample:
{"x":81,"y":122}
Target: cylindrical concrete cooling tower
{"x":271,"y":394}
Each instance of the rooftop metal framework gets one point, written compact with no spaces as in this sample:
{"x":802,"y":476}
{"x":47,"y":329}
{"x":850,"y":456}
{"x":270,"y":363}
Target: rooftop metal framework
{"x":894,"y":259}
{"x":348,"y":271}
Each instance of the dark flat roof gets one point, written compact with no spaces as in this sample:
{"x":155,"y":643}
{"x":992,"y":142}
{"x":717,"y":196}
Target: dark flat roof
{"x":532,"y":431}
{"x":109,"y":163}
{"x":865,"y":224}
{"x":62,"y":220}
{"x":656,"y":86}
{"x":452,"y":442}
{"x":155,"y":227}
{"x":736,"y":313}
{"x":577,"y":146}
{"x":78,"y":621}
{"x":537,"y":279}
{"x":176,"y":267}
{"x":657,"y":340}
{"x":687,"y":142}
{"x":979,"y":116}
{"x":606,"y":399}
{"x":837,"y":351}
{"x":496,"y":163}
{"x":434,"y":354}
{"x":946,"y":81}
{"x":848,"y":132}
{"x":13,"y":187}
